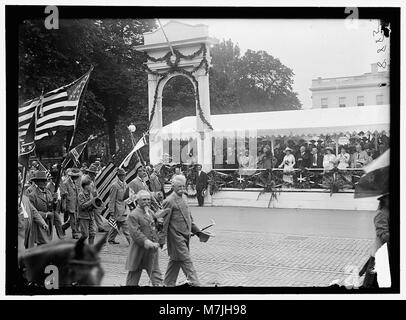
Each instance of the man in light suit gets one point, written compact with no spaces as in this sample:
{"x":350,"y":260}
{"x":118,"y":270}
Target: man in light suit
{"x":201,"y":183}
{"x":177,"y":228}
{"x":143,"y":253}
{"x":359,"y":157}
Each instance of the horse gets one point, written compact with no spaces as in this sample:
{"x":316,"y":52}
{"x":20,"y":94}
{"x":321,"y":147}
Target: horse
{"x":77,"y":263}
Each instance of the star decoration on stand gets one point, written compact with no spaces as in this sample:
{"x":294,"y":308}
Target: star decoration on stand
{"x":241,"y":179}
{"x":301,"y":179}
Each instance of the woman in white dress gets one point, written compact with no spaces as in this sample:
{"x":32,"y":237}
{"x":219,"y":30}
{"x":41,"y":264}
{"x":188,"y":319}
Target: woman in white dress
{"x":329,"y":159}
{"x":343,"y":159}
{"x":287,"y":164}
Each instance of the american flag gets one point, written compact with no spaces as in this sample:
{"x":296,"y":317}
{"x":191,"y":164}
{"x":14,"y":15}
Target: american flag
{"x":57,"y":109}
{"x":107,"y":177}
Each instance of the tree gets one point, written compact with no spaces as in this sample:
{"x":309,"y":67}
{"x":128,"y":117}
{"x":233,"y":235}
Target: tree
{"x":52,"y":58}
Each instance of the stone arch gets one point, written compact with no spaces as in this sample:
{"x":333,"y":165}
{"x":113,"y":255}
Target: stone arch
{"x":191,"y":45}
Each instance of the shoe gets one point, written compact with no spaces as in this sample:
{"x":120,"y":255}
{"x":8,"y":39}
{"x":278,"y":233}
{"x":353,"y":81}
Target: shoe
{"x":114,"y":242}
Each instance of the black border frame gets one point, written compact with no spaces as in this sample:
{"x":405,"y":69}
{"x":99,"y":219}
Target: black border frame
{"x":14,"y":14}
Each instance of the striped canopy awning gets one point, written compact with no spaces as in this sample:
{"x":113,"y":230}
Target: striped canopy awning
{"x":296,"y":123}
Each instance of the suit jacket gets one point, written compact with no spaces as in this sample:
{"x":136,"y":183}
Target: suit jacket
{"x":141,"y":227}
{"x":178,"y":226}
{"x":117,"y":205}
{"x":359,"y":159}
{"x":303,"y":161}
{"x":201,"y":180}
{"x":319,"y":161}
{"x":155,"y":184}
{"x":137,"y":184}
{"x":26,"y":226}
{"x":43,"y":203}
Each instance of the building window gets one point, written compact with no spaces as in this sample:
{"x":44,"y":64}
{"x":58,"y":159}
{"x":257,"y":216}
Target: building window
{"x":341,"y":102}
{"x":360,"y":101}
{"x":379,"y":99}
{"x":324,"y":103}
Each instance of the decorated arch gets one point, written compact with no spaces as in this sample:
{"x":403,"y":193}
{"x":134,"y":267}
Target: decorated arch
{"x":188,"y":56}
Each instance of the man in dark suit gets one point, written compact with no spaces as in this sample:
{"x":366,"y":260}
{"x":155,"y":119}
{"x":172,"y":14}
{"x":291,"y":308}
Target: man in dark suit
{"x":303,"y":158}
{"x":201,"y":183}
{"x":316,"y":159}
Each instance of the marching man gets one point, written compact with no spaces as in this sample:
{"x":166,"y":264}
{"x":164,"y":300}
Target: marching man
{"x":143,"y":253}
{"x":177,"y":227}
{"x":118,"y":207}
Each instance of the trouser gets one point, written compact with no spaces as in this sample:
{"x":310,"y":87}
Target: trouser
{"x":43,"y":236}
{"x":74,"y":225}
{"x":58,"y":225}
{"x":172,"y":272}
{"x":88,"y":229}
{"x":200,"y":197}
{"x":124,"y":228}
{"x":99,"y":221}
{"x":154,"y":274}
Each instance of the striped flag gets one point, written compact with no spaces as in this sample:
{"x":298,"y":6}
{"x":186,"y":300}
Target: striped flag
{"x":108,"y":176}
{"x":375,"y":181}
{"x":142,"y":142}
{"x":74,"y":154}
{"x":58,"y":109}
{"x":112,"y":223}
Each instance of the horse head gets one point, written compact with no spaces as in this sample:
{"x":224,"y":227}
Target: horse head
{"x":75,"y":262}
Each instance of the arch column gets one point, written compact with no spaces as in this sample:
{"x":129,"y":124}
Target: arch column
{"x":155,"y":140}
{"x":204,"y":137}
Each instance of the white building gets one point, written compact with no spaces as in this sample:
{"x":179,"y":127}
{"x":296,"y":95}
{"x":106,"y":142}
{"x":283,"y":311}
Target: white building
{"x":370,"y":88}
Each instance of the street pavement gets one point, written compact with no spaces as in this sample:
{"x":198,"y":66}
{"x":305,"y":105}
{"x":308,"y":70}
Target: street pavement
{"x":265,"y":247}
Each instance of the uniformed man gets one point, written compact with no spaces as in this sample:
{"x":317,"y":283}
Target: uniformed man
{"x":91,"y":173}
{"x":56,"y":203}
{"x":41,"y":199}
{"x":69,"y":190}
{"x":118,"y":207}
{"x":86,"y":208}
{"x":155,"y":184}
{"x":178,"y":226}
{"x":138,"y":183}
{"x":28,"y":220}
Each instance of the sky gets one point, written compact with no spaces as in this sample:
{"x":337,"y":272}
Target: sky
{"x":311,"y":48}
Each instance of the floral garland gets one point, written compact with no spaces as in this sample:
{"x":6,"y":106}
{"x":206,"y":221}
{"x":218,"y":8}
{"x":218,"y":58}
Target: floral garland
{"x":174,"y":67}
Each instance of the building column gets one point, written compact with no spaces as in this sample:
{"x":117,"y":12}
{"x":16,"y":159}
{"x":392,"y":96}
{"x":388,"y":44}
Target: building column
{"x":155,"y":141}
{"x":204,"y":138}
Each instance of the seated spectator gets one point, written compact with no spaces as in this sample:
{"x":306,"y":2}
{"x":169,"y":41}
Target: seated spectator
{"x":359,"y":157}
{"x":329,"y":159}
{"x":343,"y":159}
{"x":316,"y":159}
{"x":303,"y":158}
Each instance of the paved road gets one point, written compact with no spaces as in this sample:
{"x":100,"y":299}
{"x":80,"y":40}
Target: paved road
{"x":266,"y":247}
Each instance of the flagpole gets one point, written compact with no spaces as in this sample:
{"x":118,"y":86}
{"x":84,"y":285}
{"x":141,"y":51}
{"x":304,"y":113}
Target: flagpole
{"x":22,"y":192}
{"x":82,"y":98}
